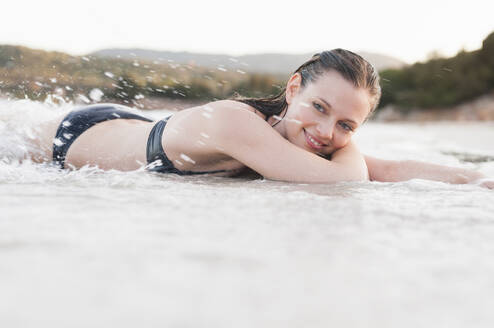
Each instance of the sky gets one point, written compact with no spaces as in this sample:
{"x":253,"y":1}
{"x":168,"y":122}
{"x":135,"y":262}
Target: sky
{"x":408,"y":30}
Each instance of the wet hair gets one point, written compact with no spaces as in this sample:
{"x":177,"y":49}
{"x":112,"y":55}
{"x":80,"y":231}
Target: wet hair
{"x":351,"y":66}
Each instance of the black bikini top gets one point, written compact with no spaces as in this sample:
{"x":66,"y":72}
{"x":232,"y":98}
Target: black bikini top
{"x":156,"y":157}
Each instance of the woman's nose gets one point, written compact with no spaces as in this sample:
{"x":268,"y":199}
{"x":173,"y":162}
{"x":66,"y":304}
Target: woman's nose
{"x":325,"y":130}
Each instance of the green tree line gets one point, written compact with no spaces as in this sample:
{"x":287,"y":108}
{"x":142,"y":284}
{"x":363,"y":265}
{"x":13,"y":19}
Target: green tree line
{"x":441,"y":82}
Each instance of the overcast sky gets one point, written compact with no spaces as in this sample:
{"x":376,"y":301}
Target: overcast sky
{"x":408,"y":30}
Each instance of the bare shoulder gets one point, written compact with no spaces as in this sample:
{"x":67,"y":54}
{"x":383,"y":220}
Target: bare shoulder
{"x":224,"y":116}
{"x":229,"y":104}
{"x":215,"y":115}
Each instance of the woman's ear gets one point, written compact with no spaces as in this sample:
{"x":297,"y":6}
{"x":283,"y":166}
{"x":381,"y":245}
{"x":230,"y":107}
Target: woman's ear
{"x":292,"y":87}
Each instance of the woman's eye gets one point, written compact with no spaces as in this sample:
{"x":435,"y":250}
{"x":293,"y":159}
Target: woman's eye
{"x":318,"y":107}
{"x":346,"y":127}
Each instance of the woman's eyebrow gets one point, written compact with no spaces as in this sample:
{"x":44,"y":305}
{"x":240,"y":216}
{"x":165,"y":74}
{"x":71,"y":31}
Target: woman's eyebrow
{"x":329,"y":106}
{"x":325,"y":102}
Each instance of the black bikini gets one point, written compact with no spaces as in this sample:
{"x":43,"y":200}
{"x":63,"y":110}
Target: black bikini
{"x":78,"y":121}
{"x":156,"y":157}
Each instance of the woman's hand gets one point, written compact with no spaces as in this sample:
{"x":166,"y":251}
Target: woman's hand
{"x":394,"y":171}
{"x":485,"y":182}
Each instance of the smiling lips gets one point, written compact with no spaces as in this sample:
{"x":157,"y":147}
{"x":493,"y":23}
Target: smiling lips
{"x":313,"y":142}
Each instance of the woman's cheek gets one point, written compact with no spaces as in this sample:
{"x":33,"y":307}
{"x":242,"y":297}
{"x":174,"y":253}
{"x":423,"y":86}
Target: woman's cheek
{"x":305,"y":115}
{"x":341,"y":141}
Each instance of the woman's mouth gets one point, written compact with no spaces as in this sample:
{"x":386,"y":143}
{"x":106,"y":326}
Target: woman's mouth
{"x":313,"y":142}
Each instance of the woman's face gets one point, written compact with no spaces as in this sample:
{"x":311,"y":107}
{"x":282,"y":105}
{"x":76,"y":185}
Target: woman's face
{"x":322,"y":116}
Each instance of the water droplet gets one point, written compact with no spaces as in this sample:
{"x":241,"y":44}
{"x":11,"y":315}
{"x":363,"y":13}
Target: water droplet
{"x":83,"y":98}
{"x":58,"y":142}
{"x":116,"y":115}
{"x":294,"y":120}
{"x":96,"y":94}
{"x":154,"y":164}
{"x":110,"y":75}
{"x":187,"y":158}
{"x":66,"y":124}
{"x":68,"y":136}
{"x":204,"y":135}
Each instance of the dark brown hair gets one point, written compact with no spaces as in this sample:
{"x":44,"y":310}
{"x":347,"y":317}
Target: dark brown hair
{"x":351,"y":66}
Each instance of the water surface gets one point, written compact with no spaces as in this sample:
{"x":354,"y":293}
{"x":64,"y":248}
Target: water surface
{"x":110,"y":249}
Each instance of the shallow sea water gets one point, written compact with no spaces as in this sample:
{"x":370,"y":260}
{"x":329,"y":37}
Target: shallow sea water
{"x":110,"y":249}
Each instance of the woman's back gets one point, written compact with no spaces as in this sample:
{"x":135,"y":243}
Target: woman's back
{"x":121,"y":143}
{"x":190,"y":147}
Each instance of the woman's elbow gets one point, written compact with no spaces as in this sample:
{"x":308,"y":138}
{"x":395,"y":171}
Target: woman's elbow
{"x":358,"y":173}
{"x":381,"y":170}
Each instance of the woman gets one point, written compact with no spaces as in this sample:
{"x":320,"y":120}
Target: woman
{"x":301,"y":135}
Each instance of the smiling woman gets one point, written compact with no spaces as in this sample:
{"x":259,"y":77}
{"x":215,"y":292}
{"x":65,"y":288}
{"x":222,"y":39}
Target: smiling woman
{"x":329,"y":111}
{"x":302,"y":134}
{"x":332,"y":93}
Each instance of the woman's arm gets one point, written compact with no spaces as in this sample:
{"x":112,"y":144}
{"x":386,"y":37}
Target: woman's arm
{"x":393,"y":171}
{"x":245,"y":136}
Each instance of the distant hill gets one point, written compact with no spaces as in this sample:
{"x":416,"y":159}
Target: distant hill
{"x":260,"y":63}
{"x":38,"y":74}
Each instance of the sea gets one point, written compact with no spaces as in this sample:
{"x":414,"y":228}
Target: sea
{"x":93,"y":248}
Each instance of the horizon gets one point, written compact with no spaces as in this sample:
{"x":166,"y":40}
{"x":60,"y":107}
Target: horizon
{"x":178,"y":51}
{"x":442,"y":27}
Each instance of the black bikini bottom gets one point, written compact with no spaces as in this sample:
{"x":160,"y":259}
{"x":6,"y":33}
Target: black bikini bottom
{"x":78,"y":121}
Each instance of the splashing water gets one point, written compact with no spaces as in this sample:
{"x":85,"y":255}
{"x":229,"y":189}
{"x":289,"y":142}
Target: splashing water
{"x":18,"y":122}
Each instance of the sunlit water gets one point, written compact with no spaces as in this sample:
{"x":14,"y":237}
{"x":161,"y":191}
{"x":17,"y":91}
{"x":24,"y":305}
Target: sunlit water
{"x":110,"y":249}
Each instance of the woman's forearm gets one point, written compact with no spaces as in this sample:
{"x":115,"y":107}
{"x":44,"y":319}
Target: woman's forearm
{"x":393,"y":171}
